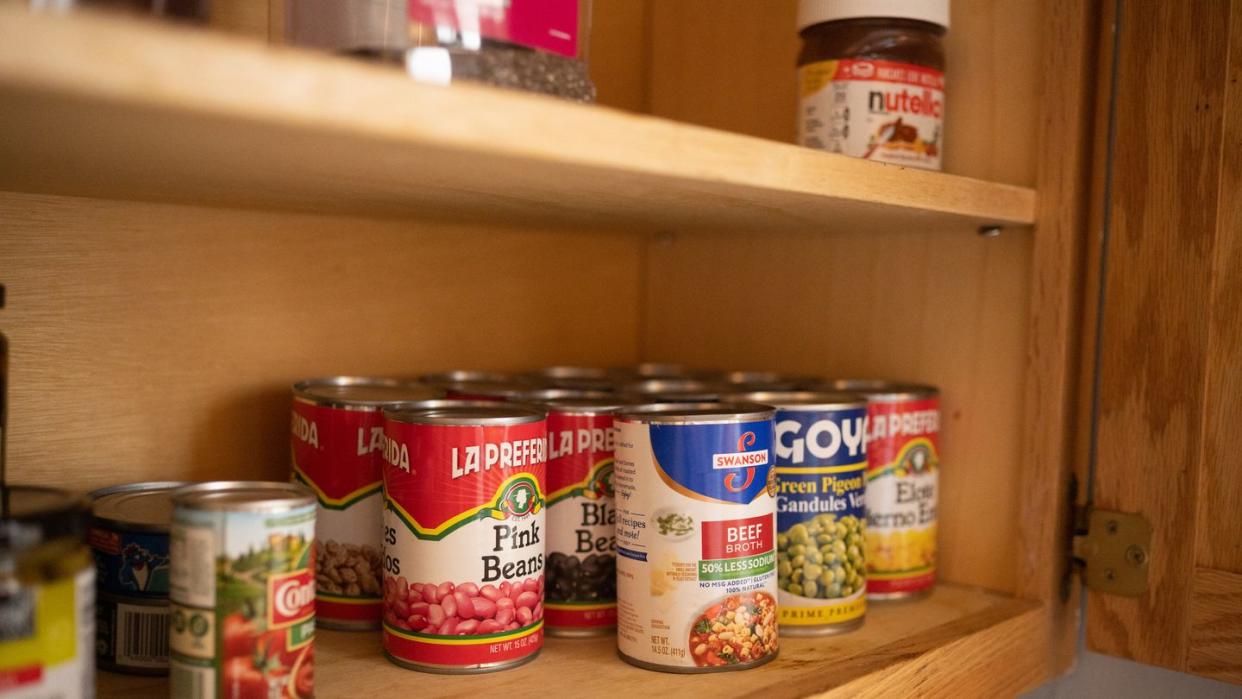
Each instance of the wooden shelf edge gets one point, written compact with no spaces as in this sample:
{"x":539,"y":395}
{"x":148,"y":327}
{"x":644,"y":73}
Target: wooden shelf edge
{"x":960,"y":640}
{"x":99,"y":106}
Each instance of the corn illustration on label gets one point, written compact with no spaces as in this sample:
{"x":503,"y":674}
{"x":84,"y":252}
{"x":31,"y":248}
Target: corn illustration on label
{"x":821,"y":461}
{"x":903,"y":467}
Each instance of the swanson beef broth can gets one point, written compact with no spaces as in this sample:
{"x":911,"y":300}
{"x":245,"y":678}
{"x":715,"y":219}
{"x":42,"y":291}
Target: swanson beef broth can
{"x":903,"y":467}
{"x":336,"y":431}
{"x":696,"y":543}
{"x":464,"y":535}
{"x":581,"y":591}
{"x":128,"y":536}
{"x":821,"y":464}
{"x":242,"y":591}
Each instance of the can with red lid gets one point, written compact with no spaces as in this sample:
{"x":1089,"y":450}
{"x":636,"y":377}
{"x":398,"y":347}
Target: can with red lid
{"x":464,"y":535}
{"x":335,"y":436}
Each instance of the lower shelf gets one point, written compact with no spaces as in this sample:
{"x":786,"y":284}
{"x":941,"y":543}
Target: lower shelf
{"x":959,"y":637}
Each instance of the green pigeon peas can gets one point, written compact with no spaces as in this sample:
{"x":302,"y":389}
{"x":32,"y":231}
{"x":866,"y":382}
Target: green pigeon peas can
{"x":821,"y":462}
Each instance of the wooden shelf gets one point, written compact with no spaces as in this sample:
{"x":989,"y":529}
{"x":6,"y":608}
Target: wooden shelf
{"x":115,"y":108}
{"x":954,"y":639}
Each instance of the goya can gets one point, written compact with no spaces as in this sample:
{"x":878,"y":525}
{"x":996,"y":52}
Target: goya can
{"x":581,"y":592}
{"x":464,"y":535}
{"x":128,"y":536}
{"x":821,"y":464}
{"x":903,"y":468}
{"x":696,"y":542}
{"x":335,"y":436}
{"x":47,"y":595}
{"x":242,"y":591}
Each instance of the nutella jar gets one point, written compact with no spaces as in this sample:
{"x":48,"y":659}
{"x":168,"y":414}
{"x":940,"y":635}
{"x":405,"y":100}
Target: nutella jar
{"x":872,"y":79}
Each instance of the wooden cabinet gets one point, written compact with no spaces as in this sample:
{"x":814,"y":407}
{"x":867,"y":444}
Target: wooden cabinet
{"x":191,"y":221}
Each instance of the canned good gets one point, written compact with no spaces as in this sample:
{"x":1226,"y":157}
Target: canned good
{"x":582,"y":566}
{"x":821,"y":464}
{"x":766,"y":381}
{"x":696,"y":542}
{"x":675,"y":390}
{"x":128,"y":536}
{"x":464,"y":376}
{"x":653,"y":370}
{"x":464,"y":535}
{"x":47,"y":595}
{"x":487,"y":390}
{"x":903,"y":467}
{"x":587,"y":378}
{"x":242,"y":590}
{"x":336,"y":434}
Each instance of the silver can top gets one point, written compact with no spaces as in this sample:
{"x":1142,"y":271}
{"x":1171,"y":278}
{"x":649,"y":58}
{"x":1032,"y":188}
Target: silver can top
{"x":882,"y":391}
{"x":768,"y":380}
{"x":460,"y":375}
{"x":136,"y":506}
{"x":243,"y":496}
{"x":800,"y":400}
{"x":465,"y":413}
{"x":361,"y":391}
{"x":696,"y":413}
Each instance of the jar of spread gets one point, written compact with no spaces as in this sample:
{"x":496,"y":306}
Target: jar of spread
{"x":871,"y":75}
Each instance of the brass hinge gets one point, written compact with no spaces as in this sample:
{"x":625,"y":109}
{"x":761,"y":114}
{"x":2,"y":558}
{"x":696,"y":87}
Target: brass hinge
{"x":1112,"y":550}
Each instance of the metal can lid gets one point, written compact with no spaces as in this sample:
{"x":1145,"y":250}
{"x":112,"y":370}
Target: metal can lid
{"x":808,"y":400}
{"x":548,"y":395}
{"x":882,"y":391}
{"x":243,"y":496}
{"x":500,"y":390}
{"x":465,"y":413}
{"x":460,"y":375}
{"x":31,"y":515}
{"x":696,"y":413}
{"x":675,"y":390}
{"x":145,"y":506}
{"x":605,"y":405}
{"x":653,"y":370}
{"x":774,"y":380}
{"x":361,"y":391}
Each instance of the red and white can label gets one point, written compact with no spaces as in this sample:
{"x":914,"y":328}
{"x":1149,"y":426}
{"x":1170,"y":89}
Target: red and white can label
{"x":903,"y":466}
{"x":464,"y":540}
{"x":582,"y":542}
{"x":336,"y":453}
{"x":878,"y":110}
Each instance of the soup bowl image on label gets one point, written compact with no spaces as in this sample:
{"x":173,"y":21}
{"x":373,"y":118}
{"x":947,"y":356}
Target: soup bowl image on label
{"x":696,"y":537}
{"x":464,"y":535}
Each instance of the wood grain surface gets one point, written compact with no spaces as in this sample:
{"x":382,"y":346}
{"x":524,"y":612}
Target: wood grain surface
{"x":958,"y":632}
{"x":1216,"y":625}
{"x":159,"y":342}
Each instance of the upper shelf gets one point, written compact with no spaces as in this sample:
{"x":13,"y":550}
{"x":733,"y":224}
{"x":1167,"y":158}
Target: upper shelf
{"x":117,"y":108}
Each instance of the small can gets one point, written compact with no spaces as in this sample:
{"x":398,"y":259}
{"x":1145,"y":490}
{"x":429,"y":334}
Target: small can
{"x":821,"y":466}
{"x":577,"y":377}
{"x":581,"y":592}
{"x":47,"y":595}
{"x":242,"y":590}
{"x":696,"y":544}
{"x":681,"y":390}
{"x":464,"y":376}
{"x":487,"y":390}
{"x":128,"y":536}
{"x":335,"y":436}
{"x":464,"y":535}
{"x":766,"y":381}
{"x":652,"y":370}
{"x":903,"y":468}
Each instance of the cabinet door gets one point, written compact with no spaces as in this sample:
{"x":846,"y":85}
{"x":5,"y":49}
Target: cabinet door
{"x":1168,"y":391}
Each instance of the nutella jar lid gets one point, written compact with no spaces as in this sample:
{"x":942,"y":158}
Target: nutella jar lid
{"x":812,"y":12}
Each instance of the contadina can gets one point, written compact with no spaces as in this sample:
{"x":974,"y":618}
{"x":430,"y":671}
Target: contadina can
{"x":336,"y":430}
{"x":464,"y":535}
{"x":821,"y":464}
{"x":47,"y":595}
{"x":242,"y":591}
{"x":903,"y":467}
{"x":129,"y":537}
{"x":582,"y":543}
{"x":696,"y":541}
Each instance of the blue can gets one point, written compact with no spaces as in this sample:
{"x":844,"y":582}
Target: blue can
{"x":821,"y":463}
{"x":128,"y":536}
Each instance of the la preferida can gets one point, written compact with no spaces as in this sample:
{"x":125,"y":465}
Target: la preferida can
{"x":335,"y":435}
{"x":47,"y":595}
{"x":242,"y":591}
{"x":464,"y":535}
{"x":128,"y":536}
{"x":696,"y":543}
{"x":581,"y":587}
{"x":821,"y":464}
{"x":903,"y":468}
